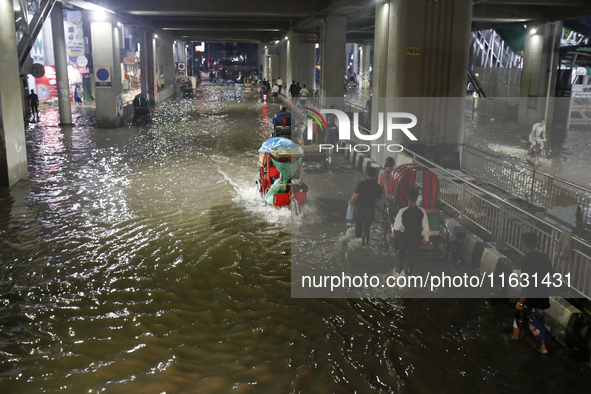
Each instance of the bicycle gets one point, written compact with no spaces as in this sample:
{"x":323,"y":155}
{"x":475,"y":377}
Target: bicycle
{"x":538,"y":151}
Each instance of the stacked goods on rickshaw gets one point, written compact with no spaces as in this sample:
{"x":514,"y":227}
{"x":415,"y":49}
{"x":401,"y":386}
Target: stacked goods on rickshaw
{"x":187,"y":88}
{"x":141,"y":110}
{"x":280,"y":175}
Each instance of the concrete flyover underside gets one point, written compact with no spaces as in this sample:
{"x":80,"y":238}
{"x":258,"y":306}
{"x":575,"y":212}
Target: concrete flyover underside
{"x":266,"y":20}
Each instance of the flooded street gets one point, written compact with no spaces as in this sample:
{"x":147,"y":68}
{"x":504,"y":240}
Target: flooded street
{"x":142,"y":260}
{"x":568,"y":150}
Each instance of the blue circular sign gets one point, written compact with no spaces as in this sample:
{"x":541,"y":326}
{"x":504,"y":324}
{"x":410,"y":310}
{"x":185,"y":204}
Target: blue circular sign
{"x":102,"y":74}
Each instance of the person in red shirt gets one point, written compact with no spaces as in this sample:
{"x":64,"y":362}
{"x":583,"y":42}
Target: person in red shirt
{"x":386,"y":172}
{"x":296,"y":90}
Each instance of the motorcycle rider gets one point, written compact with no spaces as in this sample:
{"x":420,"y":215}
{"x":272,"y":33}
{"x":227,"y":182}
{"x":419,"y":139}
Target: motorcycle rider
{"x":264,"y":91}
{"x":279,"y":117}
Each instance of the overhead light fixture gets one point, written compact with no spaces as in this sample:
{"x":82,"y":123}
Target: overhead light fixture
{"x":99,"y":15}
{"x":276,"y":41}
{"x":286,"y":37}
{"x":533,"y":31}
{"x":155,"y":35}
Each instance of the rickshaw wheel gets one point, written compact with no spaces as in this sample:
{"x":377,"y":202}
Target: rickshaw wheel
{"x":295,"y":208}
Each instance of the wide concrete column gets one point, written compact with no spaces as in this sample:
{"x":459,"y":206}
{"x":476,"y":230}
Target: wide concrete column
{"x":61,"y":63}
{"x":13,"y":150}
{"x":365,"y":65}
{"x":333,"y":64}
{"x":538,"y":76}
{"x":301,"y":61}
{"x":421,"y":50}
{"x":106,"y":54}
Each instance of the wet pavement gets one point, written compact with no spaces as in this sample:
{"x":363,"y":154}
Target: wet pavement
{"x":141,"y":260}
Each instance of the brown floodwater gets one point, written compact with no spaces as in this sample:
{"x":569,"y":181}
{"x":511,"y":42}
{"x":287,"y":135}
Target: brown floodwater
{"x":141,"y":260}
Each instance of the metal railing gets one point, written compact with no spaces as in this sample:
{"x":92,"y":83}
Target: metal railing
{"x":506,"y":222}
{"x":35,"y":13}
{"x":580,"y":109}
{"x":536,"y":187}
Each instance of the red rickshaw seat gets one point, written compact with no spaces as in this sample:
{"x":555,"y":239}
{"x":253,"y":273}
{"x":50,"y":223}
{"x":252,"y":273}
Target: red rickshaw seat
{"x":280,"y":199}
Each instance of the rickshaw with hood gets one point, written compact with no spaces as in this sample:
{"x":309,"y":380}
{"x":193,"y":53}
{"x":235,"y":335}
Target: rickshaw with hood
{"x":280,"y":174}
{"x":311,"y":141}
{"x":141,"y":110}
{"x":400,"y":180}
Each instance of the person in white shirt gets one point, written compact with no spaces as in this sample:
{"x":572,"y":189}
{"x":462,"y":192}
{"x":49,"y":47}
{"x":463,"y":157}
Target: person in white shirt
{"x":275,"y":92}
{"x":538,"y":129}
{"x":414,"y":224}
{"x":304,"y":93}
{"x":280,"y":84}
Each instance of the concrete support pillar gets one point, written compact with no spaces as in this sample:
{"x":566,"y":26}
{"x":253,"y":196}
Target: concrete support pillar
{"x":332,"y":59}
{"x":106,"y":54}
{"x":145,"y":62}
{"x":272,"y":67}
{"x":13,"y":150}
{"x":421,"y":50}
{"x":538,"y":76}
{"x":364,"y":65}
{"x":265,"y":62}
{"x":352,"y":59}
{"x":168,"y":62}
{"x":301,"y":61}
{"x":61,"y":63}
{"x":283,"y":59}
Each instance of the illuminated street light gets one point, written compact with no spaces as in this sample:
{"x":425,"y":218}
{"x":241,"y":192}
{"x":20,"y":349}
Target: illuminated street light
{"x":99,"y":15}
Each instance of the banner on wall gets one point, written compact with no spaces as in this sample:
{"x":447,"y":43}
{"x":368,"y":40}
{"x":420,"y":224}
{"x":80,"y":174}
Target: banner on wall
{"x":75,"y":41}
{"x":37,"y":50}
{"x":46,"y":86}
{"x":129,"y":58}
